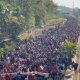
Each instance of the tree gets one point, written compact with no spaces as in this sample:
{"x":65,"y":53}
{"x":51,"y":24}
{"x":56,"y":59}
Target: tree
{"x":33,"y":11}
{"x":36,"y":10}
{"x":9,"y":20}
{"x":42,"y":9}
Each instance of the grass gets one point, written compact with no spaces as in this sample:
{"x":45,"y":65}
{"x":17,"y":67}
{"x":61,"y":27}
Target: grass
{"x":58,"y":21}
{"x":31,"y":34}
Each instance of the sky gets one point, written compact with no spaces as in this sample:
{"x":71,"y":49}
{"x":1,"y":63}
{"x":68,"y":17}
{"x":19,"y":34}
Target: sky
{"x":68,"y":3}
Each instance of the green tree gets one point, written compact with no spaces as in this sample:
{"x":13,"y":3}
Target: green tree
{"x":36,"y":10}
{"x":42,"y":9}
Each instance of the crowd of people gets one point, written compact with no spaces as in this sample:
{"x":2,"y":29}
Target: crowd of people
{"x":40,"y":58}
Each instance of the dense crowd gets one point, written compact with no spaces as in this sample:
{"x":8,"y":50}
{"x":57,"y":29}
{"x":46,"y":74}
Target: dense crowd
{"x":34,"y":59}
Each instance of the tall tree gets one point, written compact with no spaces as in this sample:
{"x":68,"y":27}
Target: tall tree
{"x":38,"y":9}
{"x":42,"y":9}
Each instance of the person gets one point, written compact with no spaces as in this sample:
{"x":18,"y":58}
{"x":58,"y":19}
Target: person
{"x":19,"y":76}
{"x":1,"y":68}
{"x":41,"y":68}
{"x":8,"y":68}
{"x":41,"y":76}
{"x":7,"y":77}
{"x":75,"y":66}
{"x":1,"y":77}
{"x":53,"y":71}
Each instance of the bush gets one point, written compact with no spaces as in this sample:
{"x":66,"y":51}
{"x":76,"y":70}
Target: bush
{"x":69,"y":49}
{"x":6,"y":48}
{"x":58,"y":21}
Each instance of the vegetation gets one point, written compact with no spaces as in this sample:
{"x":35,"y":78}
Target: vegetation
{"x":55,"y":21}
{"x":6,"y":48}
{"x":19,"y":15}
{"x":69,"y":49}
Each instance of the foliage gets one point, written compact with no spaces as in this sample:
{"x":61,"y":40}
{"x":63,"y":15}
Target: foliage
{"x":9,"y":20}
{"x":69,"y":48}
{"x":1,"y":51}
{"x":25,"y":14}
{"x":36,"y":10}
{"x":59,"y":21}
{"x":6,"y":48}
{"x":42,"y":9}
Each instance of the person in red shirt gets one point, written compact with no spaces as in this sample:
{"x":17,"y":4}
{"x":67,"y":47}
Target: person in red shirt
{"x":41,"y":68}
{"x":7,"y":77}
{"x":53,"y":71}
{"x":8,"y":68}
